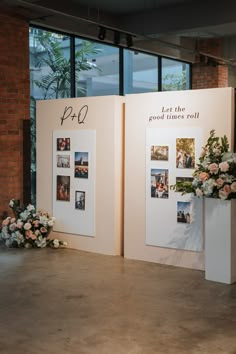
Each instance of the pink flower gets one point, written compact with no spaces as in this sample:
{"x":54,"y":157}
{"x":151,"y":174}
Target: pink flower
{"x":219,"y":182}
{"x":13,"y":220}
{"x":233,"y":187}
{"x":43,"y":230}
{"x":203,"y":176}
{"x":29,"y":234}
{"x":213,"y":168}
{"x":36,"y":223}
{"x":224,"y":192}
{"x":224,"y":166}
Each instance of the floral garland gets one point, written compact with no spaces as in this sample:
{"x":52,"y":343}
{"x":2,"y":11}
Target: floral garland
{"x":215,"y":174}
{"x":28,"y":228}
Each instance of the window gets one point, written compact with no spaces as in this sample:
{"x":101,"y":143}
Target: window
{"x":96,"y":69}
{"x":175,"y":75}
{"x":140,"y":72}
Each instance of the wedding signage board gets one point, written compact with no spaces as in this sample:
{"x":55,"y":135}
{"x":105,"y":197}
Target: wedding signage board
{"x":161,"y":225}
{"x":172,"y":220}
{"x":80,"y":170}
{"x":74,"y":181}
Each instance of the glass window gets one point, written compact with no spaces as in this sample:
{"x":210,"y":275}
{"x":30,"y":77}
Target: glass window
{"x":140,"y":72}
{"x":96,"y":69}
{"x":50,"y":66}
{"x":175,"y":75}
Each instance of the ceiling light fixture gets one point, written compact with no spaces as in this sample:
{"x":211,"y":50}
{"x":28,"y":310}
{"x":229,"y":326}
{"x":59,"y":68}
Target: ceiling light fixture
{"x":129,"y":40}
{"x":102,"y":33}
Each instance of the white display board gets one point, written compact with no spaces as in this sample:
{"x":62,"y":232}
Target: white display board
{"x":92,"y":218}
{"x":74,"y":181}
{"x":152,"y":231}
{"x":172,"y":220}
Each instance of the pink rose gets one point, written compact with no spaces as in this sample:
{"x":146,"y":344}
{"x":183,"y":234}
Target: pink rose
{"x":219,"y":182}
{"x":43,"y":230}
{"x":203,"y":176}
{"x":224,"y":166}
{"x":233,"y":187}
{"x":29,"y":234}
{"x":36,"y":223}
{"x":213,"y":168}
{"x":224,"y":192}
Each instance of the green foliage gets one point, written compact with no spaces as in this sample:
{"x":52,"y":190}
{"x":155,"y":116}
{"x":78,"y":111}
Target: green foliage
{"x":56,"y":83}
{"x":174,"y":81}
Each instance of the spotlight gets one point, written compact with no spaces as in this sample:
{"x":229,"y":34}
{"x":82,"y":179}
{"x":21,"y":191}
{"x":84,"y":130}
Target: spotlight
{"x":129,"y":40}
{"x":102,"y":33}
{"x":116,"y":38}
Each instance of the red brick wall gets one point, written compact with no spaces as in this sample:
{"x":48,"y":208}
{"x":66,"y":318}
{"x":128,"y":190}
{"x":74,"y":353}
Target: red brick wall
{"x":207,"y":72}
{"x":14,"y":104}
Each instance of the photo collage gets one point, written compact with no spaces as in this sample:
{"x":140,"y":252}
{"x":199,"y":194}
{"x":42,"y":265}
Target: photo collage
{"x":80,"y":166}
{"x":185,"y":159}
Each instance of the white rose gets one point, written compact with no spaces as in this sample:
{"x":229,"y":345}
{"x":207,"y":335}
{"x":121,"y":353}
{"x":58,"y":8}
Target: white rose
{"x":56,"y":243}
{"x":50,"y":223}
{"x":27,"y":226}
{"x":11,"y":204}
{"x":30,"y":207}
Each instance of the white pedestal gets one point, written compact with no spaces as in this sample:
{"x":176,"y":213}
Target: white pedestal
{"x":220,"y":240}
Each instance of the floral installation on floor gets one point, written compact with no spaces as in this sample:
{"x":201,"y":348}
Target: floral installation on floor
{"x":215,"y":174}
{"x":29,"y":228}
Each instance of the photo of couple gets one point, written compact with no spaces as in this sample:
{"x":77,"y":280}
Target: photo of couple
{"x":185,"y":153}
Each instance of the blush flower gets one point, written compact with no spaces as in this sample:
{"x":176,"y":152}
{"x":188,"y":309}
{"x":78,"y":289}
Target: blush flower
{"x":219,"y":182}
{"x":233,"y":187}
{"x":213,"y":168}
{"x":203,"y":176}
{"x":224,"y":192}
{"x":27,"y":226}
{"x":224,"y":166}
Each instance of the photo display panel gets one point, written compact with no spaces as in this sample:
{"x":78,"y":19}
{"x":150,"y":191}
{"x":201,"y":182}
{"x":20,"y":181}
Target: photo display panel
{"x":173,"y":220}
{"x":74,"y":181}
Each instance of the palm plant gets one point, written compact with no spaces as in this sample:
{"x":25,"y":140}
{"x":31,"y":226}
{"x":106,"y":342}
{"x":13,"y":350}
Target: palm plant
{"x":56,"y":82}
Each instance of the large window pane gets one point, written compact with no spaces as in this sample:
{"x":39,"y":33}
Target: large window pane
{"x":50,"y":66}
{"x":50,"y":71}
{"x":140,"y":72}
{"x":175,"y":75}
{"x":96,"y":69}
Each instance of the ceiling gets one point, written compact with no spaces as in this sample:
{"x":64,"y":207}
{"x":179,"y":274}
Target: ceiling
{"x":167,"y":27}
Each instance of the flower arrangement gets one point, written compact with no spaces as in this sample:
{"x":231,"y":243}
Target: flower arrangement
{"x":215,"y":174}
{"x":28,"y":228}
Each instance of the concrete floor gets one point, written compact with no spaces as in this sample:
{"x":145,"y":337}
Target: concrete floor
{"x":67,"y":301}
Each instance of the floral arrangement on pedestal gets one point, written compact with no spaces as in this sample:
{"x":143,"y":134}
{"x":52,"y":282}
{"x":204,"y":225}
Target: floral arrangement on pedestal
{"x":28,"y":228}
{"x":215,"y":174}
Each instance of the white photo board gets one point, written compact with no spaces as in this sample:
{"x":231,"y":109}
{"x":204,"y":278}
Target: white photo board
{"x":74,"y":181}
{"x":164,"y":226}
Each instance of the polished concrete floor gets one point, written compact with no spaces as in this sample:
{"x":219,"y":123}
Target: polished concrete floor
{"x":67,"y":301}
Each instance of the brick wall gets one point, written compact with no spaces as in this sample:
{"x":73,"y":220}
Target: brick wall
{"x":207,"y":72}
{"x":14,"y":104}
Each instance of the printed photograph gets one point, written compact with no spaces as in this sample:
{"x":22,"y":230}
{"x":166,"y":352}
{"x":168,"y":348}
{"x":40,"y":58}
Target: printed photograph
{"x":183,"y":179}
{"x":80,"y":200}
{"x":159,"y":183}
{"x":63,"y":161}
{"x":183,"y":212}
{"x":185,"y":153}
{"x":81,"y":164}
{"x":63,"y":188}
{"x":159,"y":152}
{"x":63,"y":144}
